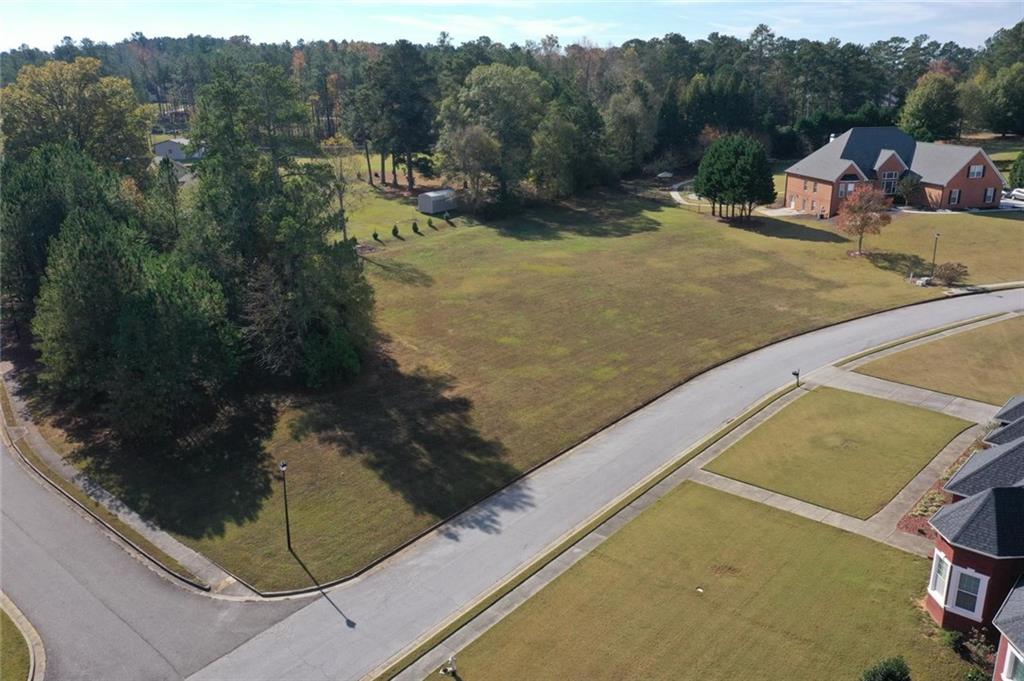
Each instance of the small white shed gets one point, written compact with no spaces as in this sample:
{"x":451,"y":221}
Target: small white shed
{"x":174,"y":149}
{"x":437,"y":201}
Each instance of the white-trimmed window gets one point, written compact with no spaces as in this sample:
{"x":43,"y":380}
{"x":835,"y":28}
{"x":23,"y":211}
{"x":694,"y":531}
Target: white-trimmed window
{"x":846,"y":188}
{"x":1013,"y":670}
{"x":815,"y":187}
{"x":805,"y":185}
{"x":966,"y":594}
{"x":939,"y":580}
{"x":954,"y":197}
{"x":990,"y":194}
{"x":814,"y":205}
{"x":889,"y":181}
{"x":976,"y":171}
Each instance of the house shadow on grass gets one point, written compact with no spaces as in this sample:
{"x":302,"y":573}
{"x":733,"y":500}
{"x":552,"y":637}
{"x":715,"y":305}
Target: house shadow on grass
{"x":419,"y":439}
{"x":784,"y":229}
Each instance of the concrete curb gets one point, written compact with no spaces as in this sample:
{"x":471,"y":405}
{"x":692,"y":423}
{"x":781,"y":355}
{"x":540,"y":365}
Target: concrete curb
{"x":36,"y":650}
{"x":385,"y":557}
{"x":12,"y":442}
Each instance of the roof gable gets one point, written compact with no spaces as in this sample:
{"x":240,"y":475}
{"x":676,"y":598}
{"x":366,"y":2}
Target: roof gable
{"x":1010,"y":618}
{"x":989,"y":522}
{"x":869,"y":148}
{"x":1012,"y":410}
{"x":999,"y":466}
{"x":1007,"y":433}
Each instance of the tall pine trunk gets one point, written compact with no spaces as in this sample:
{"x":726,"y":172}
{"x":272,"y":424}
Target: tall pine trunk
{"x":369,"y":168}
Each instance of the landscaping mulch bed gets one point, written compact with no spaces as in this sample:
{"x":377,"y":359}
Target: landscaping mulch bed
{"x":916,"y":520}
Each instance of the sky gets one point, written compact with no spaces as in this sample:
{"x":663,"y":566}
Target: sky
{"x":43,"y":23}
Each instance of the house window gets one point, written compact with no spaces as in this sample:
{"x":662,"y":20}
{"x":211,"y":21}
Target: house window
{"x":845,"y":189}
{"x":990,"y":193}
{"x":889,"y":181}
{"x":976,"y":171}
{"x":954,"y":197}
{"x":805,"y":185}
{"x":803,"y":204}
{"x":939,"y":578}
{"x":967,"y":592}
{"x":814,"y":205}
{"x":815,"y":187}
{"x":1014,"y":668}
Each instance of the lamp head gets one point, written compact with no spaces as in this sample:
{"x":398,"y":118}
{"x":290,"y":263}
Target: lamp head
{"x":283,"y":466}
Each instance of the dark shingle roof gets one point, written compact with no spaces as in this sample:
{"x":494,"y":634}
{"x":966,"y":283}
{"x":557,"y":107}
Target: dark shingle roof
{"x":1008,"y":433}
{"x":999,"y":466}
{"x":869,"y":147}
{"x":1010,"y":618}
{"x":990,"y":522}
{"x":1012,"y":410}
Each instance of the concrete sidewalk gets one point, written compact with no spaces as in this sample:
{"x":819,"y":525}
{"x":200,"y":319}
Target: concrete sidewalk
{"x":220,"y":582}
{"x":969,"y":410}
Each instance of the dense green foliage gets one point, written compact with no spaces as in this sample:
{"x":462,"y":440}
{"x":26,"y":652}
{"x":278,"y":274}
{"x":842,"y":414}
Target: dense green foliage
{"x":931,"y":112}
{"x":889,"y":669}
{"x":1017,"y":171}
{"x":735,"y":172}
{"x":144,"y":305}
{"x":588,"y":113}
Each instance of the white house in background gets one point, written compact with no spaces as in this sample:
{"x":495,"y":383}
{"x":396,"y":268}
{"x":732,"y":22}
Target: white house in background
{"x":437,"y":201}
{"x":174,"y":149}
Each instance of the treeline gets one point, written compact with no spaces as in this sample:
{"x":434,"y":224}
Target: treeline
{"x":148,"y":305}
{"x":570,"y":116}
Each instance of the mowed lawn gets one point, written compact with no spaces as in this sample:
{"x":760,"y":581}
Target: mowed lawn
{"x":14,"y":660}
{"x":841,"y":450}
{"x":503,"y":344}
{"x":984,"y":364}
{"x":783,"y":598}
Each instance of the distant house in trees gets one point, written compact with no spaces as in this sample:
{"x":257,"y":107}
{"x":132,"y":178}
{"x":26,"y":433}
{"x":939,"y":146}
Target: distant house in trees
{"x":438,"y":201}
{"x":977,"y":575}
{"x":175,"y":149}
{"x":951,"y":176}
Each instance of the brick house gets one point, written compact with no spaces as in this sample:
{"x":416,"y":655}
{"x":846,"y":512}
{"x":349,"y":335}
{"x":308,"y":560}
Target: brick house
{"x":1009,"y":622}
{"x":952,"y":176}
{"x":978,"y":557}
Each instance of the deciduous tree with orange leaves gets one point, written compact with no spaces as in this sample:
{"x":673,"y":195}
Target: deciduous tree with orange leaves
{"x":865,"y":211}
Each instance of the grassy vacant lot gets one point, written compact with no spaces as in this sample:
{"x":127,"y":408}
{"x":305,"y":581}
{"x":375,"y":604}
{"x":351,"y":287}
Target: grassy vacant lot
{"x":502,"y":344}
{"x":14,"y":661}
{"x":773,"y":602}
{"x":841,"y":450}
{"x":985,"y":364}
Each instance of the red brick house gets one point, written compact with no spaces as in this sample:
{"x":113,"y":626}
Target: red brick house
{"x":1009,"y":622}
{"x":979,"y":556}
{"x":952,"y":176}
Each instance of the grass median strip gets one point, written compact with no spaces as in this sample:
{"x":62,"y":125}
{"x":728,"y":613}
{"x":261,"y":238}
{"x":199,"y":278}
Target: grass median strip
{"x":985,"y":364}
{"x":706,"y":585}
{"x":14,"y":655}
{"x":840,"y":450}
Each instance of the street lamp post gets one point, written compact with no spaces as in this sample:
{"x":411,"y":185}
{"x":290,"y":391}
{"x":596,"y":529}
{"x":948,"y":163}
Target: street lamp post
{"x":935,"y":250}
{"x":283,"y":467}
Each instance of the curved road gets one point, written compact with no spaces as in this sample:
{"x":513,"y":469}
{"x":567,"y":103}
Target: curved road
{"x":103,"y":614}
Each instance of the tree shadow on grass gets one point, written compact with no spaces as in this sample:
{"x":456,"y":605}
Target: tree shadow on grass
{"x":784,"y":229}
{"x":400,"y":272}
{"x":418,"y":437}
{"x":602,"y":214}
{"x":901,"y":263}
{"x":217,"y":473}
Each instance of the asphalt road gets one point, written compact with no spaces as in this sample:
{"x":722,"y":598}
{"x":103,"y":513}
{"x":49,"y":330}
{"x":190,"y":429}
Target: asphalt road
{"x":103,"y":615}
